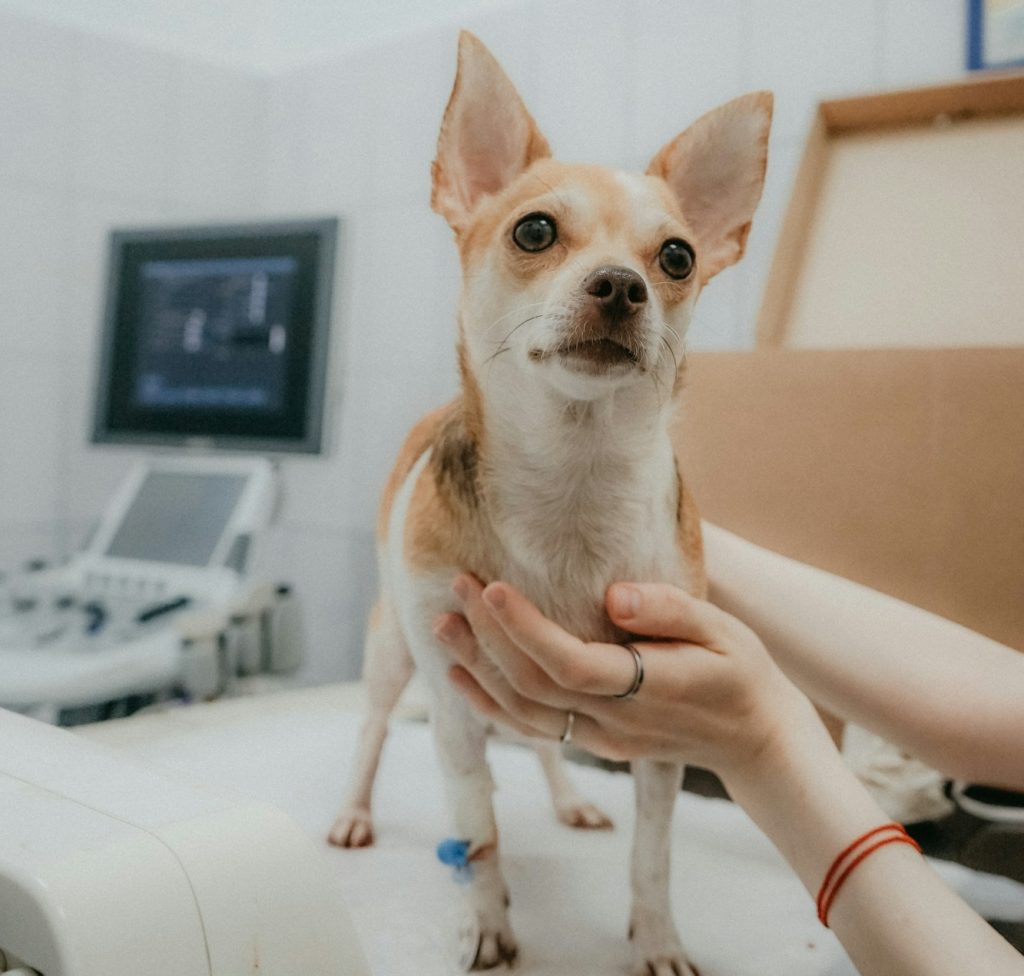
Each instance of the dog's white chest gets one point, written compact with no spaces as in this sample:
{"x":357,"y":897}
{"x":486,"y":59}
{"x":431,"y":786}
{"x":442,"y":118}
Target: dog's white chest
{"x":569,"y":539}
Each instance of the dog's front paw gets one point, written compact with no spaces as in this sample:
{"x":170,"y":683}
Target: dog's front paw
{"x":485,"y":947}
{"x":353,"y":828}
{"x":657,"y":950}
{"x":584,"y":816}
{"x":669,"y":965}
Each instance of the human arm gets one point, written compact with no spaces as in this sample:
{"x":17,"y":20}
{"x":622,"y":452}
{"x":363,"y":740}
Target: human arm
{"x":712,"y":695}
{"x":945,"y":694}
{"x":893,"y":914}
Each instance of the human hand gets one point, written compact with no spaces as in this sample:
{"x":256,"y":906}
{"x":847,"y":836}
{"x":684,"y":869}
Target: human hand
{"x":711,"y":693}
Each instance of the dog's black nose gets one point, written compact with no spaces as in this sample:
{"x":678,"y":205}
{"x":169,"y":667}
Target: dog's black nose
{"x":618,"y":291}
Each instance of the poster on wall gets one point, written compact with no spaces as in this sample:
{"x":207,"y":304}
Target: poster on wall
{"x":995,"y":33}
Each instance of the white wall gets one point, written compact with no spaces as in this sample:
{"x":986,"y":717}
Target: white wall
{"x":262,"y":35}
{"x":106,"y":133}
{"x":93,"y":133}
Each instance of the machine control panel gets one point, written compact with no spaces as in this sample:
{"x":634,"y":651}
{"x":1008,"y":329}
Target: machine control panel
{"x":158,"y":599}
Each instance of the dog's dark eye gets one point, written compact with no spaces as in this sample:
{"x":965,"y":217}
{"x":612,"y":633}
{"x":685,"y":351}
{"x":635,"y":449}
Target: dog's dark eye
{"x":535,"y":232}
{"x":676,"y":258}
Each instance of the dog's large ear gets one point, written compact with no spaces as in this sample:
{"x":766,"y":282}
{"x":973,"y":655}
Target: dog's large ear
{"x":487,"y":136}
{"x":716,"y":170}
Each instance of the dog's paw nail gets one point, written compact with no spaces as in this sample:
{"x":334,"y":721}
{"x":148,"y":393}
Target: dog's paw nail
{"x":585,"y":816}
{"x":665,"y":966}
{"x":657,"y":956}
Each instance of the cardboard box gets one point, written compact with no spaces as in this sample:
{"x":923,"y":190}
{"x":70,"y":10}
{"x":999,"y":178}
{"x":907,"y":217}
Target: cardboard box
{"x":906,"y":223}
{"x":901,"y":468}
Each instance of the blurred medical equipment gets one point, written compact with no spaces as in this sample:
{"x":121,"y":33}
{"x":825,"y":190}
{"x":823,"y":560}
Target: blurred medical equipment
{"x":215,"y":337}
{"x":158,"y":603}
{"x":108,"y":866}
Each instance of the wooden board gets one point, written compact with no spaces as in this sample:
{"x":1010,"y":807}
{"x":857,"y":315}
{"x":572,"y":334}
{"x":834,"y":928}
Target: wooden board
{"x":906,"y":224}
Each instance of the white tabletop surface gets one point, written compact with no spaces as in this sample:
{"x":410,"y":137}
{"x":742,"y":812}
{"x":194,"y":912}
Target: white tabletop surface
{"x":739,"y":908}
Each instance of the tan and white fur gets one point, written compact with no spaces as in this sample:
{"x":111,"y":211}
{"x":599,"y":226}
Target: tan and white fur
{"x":554,"y":469}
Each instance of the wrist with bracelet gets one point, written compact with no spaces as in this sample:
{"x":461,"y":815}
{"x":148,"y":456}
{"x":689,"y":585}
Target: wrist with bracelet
{"x":852,"y":856}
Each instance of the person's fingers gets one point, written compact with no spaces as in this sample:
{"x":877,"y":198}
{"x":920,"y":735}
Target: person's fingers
{"x":453,"y":630}
{"x":585,"y":732}
{"x":544,"y":719}
{"x":542,"y":663}
{"x":521,"y":672}
{"x":663,"y":610}
{"x":589,"y":668}
{"x":470,"y":688}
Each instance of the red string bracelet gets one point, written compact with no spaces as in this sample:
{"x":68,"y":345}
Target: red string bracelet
{"x":850,"y":857}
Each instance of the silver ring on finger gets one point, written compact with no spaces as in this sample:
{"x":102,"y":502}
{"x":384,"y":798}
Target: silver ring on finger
{"x":638,"y":673}
{"x":570,"y":721}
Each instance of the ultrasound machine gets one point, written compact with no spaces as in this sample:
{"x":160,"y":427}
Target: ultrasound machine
{"x":213,"y":357}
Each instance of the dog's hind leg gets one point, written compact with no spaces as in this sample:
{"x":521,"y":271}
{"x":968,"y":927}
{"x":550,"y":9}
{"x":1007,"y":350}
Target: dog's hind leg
{"x":571,"y":808}
{"x":387,"y":668}
{"x":657,"y":950}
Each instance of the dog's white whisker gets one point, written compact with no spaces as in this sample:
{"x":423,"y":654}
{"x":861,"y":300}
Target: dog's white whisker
{"x":526,"y":321}
{"x":671,"y":351}
{"x":514,"y":311}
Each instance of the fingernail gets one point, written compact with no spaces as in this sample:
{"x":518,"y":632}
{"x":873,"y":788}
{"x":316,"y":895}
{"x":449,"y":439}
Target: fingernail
{"x":445,"y":629}
{"x":626,"y":601}
{"x":495,"y":597}
{"x":460,"y":587}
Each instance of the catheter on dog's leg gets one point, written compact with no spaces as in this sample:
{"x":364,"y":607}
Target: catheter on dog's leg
{"x":387,"y":669}
{"x":657,"y":950}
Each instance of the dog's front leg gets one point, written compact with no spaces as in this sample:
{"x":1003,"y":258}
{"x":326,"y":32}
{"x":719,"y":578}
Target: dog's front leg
{"x":657,"y":950}
{"x":461,"y":745}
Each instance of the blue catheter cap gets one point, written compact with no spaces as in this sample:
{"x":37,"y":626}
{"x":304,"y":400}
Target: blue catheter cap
{"x":455,"y":853}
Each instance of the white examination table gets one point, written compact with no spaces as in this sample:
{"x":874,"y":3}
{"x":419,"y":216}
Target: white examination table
{"x":739,"y":908}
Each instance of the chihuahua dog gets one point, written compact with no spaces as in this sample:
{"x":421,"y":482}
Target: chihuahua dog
{"x":554,"y":470}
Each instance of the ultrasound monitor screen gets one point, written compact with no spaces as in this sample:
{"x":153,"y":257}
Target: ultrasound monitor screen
{"x":217,"y":336}
{"x":214,"y":333}
{"x":177,"y":517}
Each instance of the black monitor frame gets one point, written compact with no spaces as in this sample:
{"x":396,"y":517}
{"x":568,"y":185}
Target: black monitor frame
{"x":298,"y":428}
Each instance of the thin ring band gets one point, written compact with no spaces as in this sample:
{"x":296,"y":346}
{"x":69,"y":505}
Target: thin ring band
{"x":638,"y":674}
{"x":570,"y":721}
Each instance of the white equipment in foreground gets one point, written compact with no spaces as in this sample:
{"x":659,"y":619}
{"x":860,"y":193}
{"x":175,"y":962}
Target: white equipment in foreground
{"x":107,"y":866}
{"x":157,"y":600}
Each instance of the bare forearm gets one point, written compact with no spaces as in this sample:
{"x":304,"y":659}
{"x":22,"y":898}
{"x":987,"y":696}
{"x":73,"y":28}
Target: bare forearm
{"x":893,"y":914}
{"x":942,"y":692}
